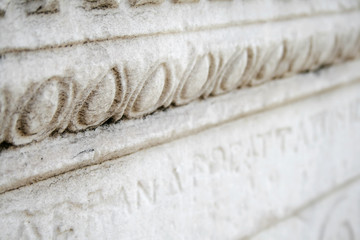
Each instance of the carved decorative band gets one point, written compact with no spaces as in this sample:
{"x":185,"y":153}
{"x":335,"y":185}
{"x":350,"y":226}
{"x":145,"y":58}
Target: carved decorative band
{"x":112,"y":96}
{"x":53,"y":6}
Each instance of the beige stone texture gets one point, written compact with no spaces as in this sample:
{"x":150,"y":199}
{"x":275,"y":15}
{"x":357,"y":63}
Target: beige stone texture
{"x":73,"y":86}
{"x":180,"y":119}
{"x":227,"y":182}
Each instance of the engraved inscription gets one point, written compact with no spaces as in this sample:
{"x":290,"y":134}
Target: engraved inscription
{"x":175,"y":183}
{"x":196,"y":177}
{"x":146,"y":193}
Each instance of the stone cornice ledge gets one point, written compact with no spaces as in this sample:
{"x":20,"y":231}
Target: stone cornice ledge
{"x":37,"y":24}
{"x":28,"y":164}
{"x":81,"y":88}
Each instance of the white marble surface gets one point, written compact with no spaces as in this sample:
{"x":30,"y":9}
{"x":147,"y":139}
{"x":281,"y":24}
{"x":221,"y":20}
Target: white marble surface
{"x":180,"y":119}
{"x":334,"y":216}
{"x":42,"y":160}
{"x":75,"y":22}
{"x":48,"y":90}
{"x":227,"y":182}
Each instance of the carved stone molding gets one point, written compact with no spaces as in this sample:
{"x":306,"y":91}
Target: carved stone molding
{"x":219,"y":119}
{"x":61,"y":102}
{"x":53,"y":6}
{"x":85,"y":83}
{"x":117,"y":140}
{"x":104,"y":20}
{"x":250,"y":168}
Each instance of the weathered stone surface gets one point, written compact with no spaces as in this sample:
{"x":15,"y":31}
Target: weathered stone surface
{"x":36,"y":24}
{"x":42,"y":160}
{"x":227,"y":182}
{"x":83,"y":86}
{"x":334,"y":215}
{"x":254,"y":125}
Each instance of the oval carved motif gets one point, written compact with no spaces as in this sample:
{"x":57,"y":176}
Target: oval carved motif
{"x":99,"y":101}
{"x":152,"y":90}
{"x":269,"y":62}
{"x":196,"y":80}
{"x":43,"y":110}
{"x":234,"y":72}
{"x":45,"y":107}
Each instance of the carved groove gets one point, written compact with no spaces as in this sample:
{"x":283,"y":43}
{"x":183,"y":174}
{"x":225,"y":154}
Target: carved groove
{"x":33,"y":7}
{"x":143,"y":2}
{"x":3,"y":113}
{"x":3,"y":7}
{"x":42,"y":6}
{"x":100,"y":4}
{"x":115,"y":94}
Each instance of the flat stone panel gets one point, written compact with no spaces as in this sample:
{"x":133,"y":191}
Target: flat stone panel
{"x":227,"y":182}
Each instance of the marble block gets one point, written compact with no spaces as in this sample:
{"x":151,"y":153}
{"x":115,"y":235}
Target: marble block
{"x":180,"y":119}
{"x":117,"y":60}
{"x":230,"y":181}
